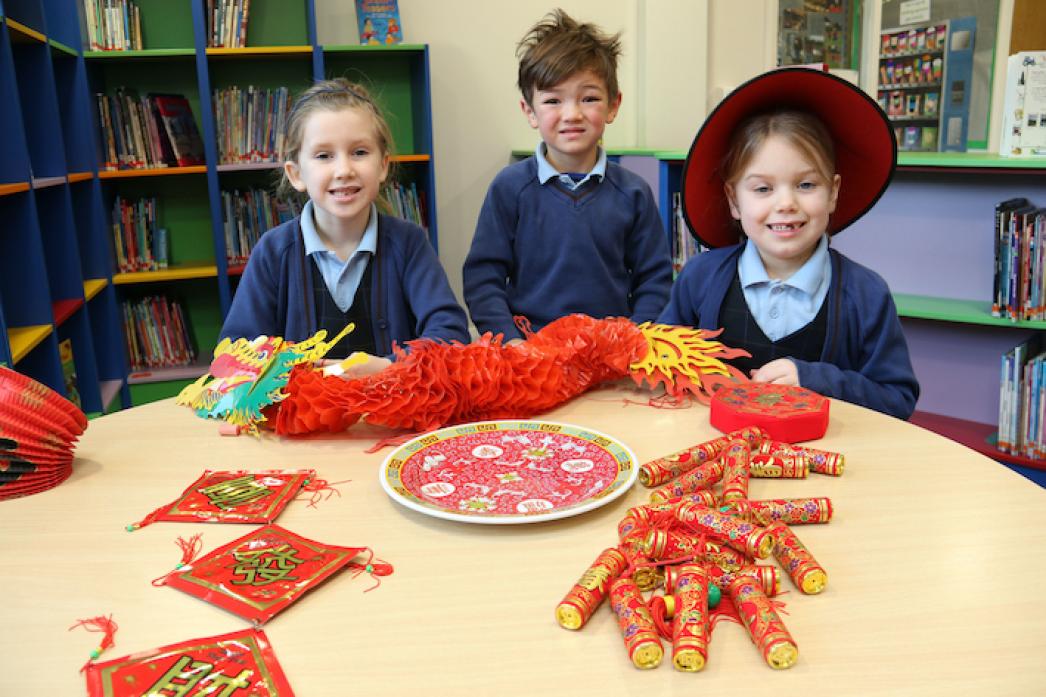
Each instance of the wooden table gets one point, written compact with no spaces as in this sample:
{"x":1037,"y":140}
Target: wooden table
{"x":935,"y":562}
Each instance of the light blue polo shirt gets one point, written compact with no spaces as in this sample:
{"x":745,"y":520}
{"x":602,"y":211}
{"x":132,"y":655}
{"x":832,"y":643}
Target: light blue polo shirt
{"x":547,"y":171}
{"x":341,"y":277}
{"x":781,"y":308}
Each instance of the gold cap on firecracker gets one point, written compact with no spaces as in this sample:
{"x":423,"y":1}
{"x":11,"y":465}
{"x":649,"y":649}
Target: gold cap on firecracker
{"x":761,"y":545}
{"x":814,"y":581}
{"x":782,"y":654}
{"x":648,"y":654}
{"x":568,"y":616}
{"x":688,"y":660}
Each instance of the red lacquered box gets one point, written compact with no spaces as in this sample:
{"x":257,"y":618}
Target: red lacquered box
{"x":788,"y":413}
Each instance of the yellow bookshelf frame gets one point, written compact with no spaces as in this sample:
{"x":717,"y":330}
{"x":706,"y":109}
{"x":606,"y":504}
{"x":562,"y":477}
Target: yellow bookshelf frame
{"x":22,"y":340}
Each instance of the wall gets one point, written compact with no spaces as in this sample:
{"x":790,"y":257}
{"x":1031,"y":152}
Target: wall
{"x":476,"y":114}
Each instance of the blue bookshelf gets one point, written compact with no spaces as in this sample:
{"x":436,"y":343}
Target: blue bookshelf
{"x":58,"y":277}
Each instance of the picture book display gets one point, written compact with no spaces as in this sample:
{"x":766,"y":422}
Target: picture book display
{"x":911,"y":82}
{"x":504,"y":472}
{"x":237,"y":663}
{"x":379,"y":22}
{"x":261,"y":573}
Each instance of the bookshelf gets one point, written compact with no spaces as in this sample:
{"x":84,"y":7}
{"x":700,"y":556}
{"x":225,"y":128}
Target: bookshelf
{"x":58,"y":277}
{"x":54,"y":285}
{"x":939,"y":210}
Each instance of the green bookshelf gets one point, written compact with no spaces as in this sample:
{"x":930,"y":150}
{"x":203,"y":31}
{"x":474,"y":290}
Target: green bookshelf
{"x":958,"y":311}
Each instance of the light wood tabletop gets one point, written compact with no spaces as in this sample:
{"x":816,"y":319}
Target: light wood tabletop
{"x":934,"y":558}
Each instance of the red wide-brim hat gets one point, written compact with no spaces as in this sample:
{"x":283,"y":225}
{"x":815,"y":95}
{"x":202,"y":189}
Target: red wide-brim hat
{"x":865,"y":148}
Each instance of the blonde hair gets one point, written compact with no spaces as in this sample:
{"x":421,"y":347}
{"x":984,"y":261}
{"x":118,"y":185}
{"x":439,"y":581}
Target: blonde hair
{"x":331,"y":95}
{"x":802,"y":130}
{"x":558,"y":46}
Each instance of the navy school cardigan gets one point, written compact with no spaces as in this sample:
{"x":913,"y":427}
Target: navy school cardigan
{"x":410,"y":295}
{"x":865,"y":357}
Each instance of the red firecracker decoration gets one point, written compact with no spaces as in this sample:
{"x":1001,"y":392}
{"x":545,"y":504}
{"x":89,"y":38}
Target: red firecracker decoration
{"x":237,"y":663}
{"x":232,"y":497}
{"x":263,"y":572}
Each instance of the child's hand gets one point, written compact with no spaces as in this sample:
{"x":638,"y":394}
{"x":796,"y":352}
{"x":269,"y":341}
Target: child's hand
{"x":357,"y":365}
{"x":781,"y":371}
{"x":513,"y":342}
{"x":373,"y":364}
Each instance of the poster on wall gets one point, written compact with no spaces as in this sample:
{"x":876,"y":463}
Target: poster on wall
{"x":818,"y":31}
{"x":1024,"y":110}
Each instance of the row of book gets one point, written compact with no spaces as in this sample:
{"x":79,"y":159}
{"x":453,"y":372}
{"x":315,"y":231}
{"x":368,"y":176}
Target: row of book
{"x":113,"y":25}
{"x":156,"y":331}
{"x":1019,"y":288}
{"x":405,"y":202}
{"x":247,"y":215}
{"x":227,"y":23}
{"x":684,"y":246}
{"x":1022,"y":400}
{"x":139,"y":243}
{"x":157,"y":130}
{"x":250,"y":123}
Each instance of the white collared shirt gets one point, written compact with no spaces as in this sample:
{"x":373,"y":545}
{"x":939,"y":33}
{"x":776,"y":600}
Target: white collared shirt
{"x":341,"y":277}
{"x":781,"y":308}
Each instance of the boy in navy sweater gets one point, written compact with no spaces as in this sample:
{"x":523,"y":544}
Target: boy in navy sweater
{"x":566,"y":231}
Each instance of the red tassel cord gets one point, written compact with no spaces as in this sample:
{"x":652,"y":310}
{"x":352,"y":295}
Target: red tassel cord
{"x":319,"y":490}
{"x":375,"y":567}
{"x":438,"y":384}
{"x":102,"y":624}
{"x":190,"y":550}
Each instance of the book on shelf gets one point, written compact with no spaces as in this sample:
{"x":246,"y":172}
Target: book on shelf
{"x":1022,"y":400}
{"x":1024,"y":106}
{"x":113,"y":25}
{"x":176,"y":116}
{"x":227,"y":23}
{"x":247,"y":215}
{"x":65,"y":356}
{"x":139,"y":243}
{"x":1019,"y":284}
{"x":153,"y":131}
{"x":683,"y":246}
{"x":404,"y":201}
{"x":156,"y":333}
{"x":251,"y":123}
{"x":379,"y":22}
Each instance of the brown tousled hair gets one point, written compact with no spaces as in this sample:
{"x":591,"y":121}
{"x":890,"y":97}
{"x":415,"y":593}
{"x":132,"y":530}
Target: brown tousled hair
{"x":558,"y":46}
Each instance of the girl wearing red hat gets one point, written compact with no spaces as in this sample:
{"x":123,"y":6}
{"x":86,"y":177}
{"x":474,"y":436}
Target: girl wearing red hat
{"x":784,"y":162}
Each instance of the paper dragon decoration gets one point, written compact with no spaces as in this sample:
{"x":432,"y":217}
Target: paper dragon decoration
{"x":433,"y":384}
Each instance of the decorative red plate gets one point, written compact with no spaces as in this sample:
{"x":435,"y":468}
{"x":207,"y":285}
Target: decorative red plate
{"x":508,"y":471}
